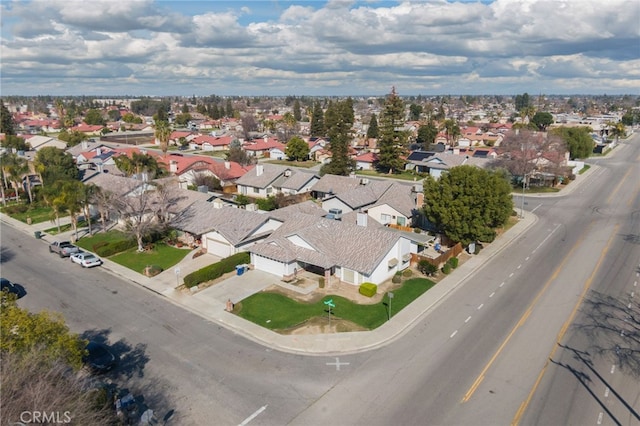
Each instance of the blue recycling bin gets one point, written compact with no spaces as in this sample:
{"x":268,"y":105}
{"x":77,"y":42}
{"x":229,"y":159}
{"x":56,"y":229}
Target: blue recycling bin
{"x":240,"y":269}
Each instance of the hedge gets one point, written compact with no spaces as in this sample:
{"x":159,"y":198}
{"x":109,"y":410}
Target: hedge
{"x":453,"y":262}
{"x":368,"y":289}
{"x":216,"y":270}
{"x":446,"y":268}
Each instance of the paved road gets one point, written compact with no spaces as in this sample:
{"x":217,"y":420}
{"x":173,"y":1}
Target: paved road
{"x":473,"y":359}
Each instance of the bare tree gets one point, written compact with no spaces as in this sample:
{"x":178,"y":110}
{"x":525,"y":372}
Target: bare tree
{"x":524,"y":151}
{"x":147,"y":210}
{"x":249,"y":124}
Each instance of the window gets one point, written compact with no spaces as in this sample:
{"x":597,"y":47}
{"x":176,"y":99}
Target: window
{"x":401,"y":220}
{"x":385,"y":218}
{"x":256,"y":190}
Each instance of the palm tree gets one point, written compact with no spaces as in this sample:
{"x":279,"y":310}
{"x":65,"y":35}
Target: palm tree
{"x":14,"y":169}
{"x":452,"y":129}
{"x":73,"y":195}
{"x":163,"y":134}
{"x":53,"y":198}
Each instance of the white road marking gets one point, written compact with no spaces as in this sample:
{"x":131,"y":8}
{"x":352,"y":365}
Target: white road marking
{"x":635,"y":283}
{"x":613,"y":368}
{"x":536,"y":207}
{"x":526,"y":258}
{"x":453,"y":334}
{"x":633,"y":293}
{"x":467,"y":320}
{"x":501,"y":284}
{"x":519,"y":266}
{"x":600,"y":418}
{"x":481,"y":305}
{"x":510,"y":275}
{"x":606,"y":393}
{"x":337,"y":363}
{"x":253,"y":416}
{"x":491,"y":295}
{"x":629,"y":306}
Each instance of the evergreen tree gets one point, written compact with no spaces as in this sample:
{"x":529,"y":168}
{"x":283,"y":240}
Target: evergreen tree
{"x":339,"y":119}
{"x":372,"y":131}
{"x":229,"y":108}
{"x":297,"y":114}
{"x":392,"y":141}
{"x":7,"y":125}
{"x":427,"y":135}
{"x":317,"y":121}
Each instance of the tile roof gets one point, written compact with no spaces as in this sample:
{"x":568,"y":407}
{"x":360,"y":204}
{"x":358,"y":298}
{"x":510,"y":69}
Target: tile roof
{"x":400,"y":197}
{"x":334,"y":244}
{"x":270,"y":172}
{"x":364,"y":195}
{"x":297,"y":179}
{"x":232,"y":223}
{"x":335,"y":184}
{"x":306,"y":207}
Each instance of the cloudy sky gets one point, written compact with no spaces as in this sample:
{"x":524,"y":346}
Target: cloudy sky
{"x":150,"y":47}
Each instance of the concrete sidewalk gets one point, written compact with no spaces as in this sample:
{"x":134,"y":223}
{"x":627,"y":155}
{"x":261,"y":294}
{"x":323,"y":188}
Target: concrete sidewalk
{"x":210,"y":302}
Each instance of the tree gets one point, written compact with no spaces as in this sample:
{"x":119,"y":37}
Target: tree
{"x":297,"y":149}
{"x":94,"y":117}
{"x":46,"y":332}
{"x":102,"y":199}
{"x":249,"y":125}
{"x":14,"y":168}
{"x":290,"y":125}
{"x":577,"y":139}
{"x":522,"y":101}
{"x":72,"y":138}
{"x":12,"y":142}
{"x":372,"y":130}
{"x":467,"y":203}
{"x":427,"y":135}
{"x":229,"y":111}
{"x":452,"y":129}
{"x":54,"y":164}
{"x":267,"y":204}
{"x":183,"y":119}
{"x":206,"y":179}
{"x":38,"y":352}
{"x":297,"y":114}
{"x":74,"y":196}
{"x":414,"y":112}
{"x":339,"y":121}
{"x":114,"y":115}
{"x":139,"y":164}
{"x":7,"y":125}
{"x":542,"y":120}
{"x":317,"y":121}
{"x":52,"y":195}
{"x":392,"y":141}
{"x":146,"y":211}
{"x":162,"y":133}
{"x":617,"y":130}
{"x":237,"y":154}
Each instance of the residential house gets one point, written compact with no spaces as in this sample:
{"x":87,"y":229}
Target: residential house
{"x":332,"y":184}
{"x":38,"y":142}
{"x":187,"y":168}
{"x":264,"y":147}
{"x":211,"y":143}
{"x":332,"y":249}
{"x":269,"y":179}
{"x":223,"y":231}
{"x":441,"y":162}
{"x":366,"y":161}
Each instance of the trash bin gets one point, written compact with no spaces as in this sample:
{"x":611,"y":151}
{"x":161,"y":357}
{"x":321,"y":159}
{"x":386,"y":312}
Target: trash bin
{"x":239,"y":269}
{"x":37,"y":234}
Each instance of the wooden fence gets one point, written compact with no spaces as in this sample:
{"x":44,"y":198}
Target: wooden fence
{"x":440,"y":260}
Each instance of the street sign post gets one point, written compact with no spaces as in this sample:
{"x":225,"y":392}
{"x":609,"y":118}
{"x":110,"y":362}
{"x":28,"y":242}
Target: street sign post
{"x":390,"y":295}
{"x":330,"y":304}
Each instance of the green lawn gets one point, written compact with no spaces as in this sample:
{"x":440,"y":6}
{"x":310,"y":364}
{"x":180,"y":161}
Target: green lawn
{"x":584,"y":169}
{"x":404,"y":175}
{"x":278,"y":312}
{"x":161,"y":255}
{"x":87,"y":243}
{"x":64,"y":228}
{"x":304,"y":164}
{"x":37,"y":214}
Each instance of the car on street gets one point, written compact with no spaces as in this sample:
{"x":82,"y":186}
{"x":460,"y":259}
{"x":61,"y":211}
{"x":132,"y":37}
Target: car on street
{"x":9,"y":287}
{"x":86,"y":260}
{"x":99,"y":357}
{"x":63,"y":248}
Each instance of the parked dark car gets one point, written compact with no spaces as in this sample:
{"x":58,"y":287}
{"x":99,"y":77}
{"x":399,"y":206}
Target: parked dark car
{"x":8,"y":286}
{"x":99,"y":357}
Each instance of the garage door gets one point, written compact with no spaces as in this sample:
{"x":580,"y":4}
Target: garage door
{"x":268,"y":265}
{"x":218,"y":248}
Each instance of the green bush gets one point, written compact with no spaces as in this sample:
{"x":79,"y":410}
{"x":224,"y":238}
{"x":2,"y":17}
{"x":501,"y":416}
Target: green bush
{"x":397,"y":278}
{"x":16,"y":208}
{"x":446,"y":268}
{"x":477,"y":249}
{"x":98,"y":245}
{"x":368,"y":289}
{"x":116,"y":247}
{"x":216,"y":270}
{"x":427,"y":267}
{"x":321,"y":282}
{"x":407,"y":273}
{"x":153,"y":270}
{"x":453,"y":262}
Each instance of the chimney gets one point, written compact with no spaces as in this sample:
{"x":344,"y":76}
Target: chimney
{"x":259,"y":169}
{"x":456,"y":151}
{"x":361,"y":218}
{"x":173,"y":166}
{"x":227,"y":165}
{"x":266,"y":139}
{"x":85,"y":145}
{"x":419,"y":200}
{"x":98,"y":151}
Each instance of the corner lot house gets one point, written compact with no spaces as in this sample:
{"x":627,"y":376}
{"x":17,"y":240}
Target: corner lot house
{"x":332,"y":249}
{"x":269,"y":179}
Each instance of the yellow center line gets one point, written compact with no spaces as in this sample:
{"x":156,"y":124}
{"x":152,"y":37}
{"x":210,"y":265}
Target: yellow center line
{"x":618,"y":186}
{"x":522,"y":320}
{"x":563,"y":330}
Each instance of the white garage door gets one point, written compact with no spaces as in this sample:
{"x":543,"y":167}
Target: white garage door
{"x":268,"y":265}
{"x":218,"y":248}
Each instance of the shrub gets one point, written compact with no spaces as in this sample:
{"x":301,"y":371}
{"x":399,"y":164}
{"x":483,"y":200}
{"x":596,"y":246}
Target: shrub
{"x":446,"y":268}
{"x":116,"y":247}
{"x":152,"y":270}
{"x":397,"y":278}
{"x":453,"y":262}
{"x":321,"y":282}
{"x":216,"y":270}
{"x":368,"y":289}
{"x":407,"y":273}
{"x":427,"y":267}
{"x":477,"y":249}
{"x":16,"y":209}
{"x":98,"y":245}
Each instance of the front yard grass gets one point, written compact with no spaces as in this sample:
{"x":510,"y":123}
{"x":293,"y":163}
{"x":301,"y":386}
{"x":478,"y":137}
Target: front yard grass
{"x":404,"y":175}
{"x":304,"y":164}
{"x":161,"y":255}
{"x":87,"y":243}
{"x":38,"y":214}
{"x":278,"y":312}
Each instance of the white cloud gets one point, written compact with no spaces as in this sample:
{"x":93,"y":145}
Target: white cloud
{"x":357,"y":47}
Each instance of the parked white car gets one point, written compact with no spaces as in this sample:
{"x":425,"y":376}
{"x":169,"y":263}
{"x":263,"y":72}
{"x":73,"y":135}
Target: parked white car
{"x":86,"y":260}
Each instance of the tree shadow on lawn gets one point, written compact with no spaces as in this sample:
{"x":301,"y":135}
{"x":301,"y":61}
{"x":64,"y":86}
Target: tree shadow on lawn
{"x":131,"y":359}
